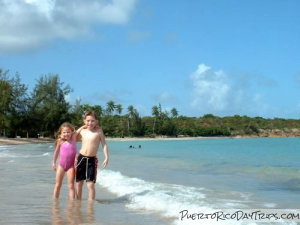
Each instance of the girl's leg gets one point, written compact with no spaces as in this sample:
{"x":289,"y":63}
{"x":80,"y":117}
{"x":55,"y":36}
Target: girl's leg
{"x":58,"y":181}
{"x":91,"y":187}
{"x":79,"y":189}
{"x":71,"y":176}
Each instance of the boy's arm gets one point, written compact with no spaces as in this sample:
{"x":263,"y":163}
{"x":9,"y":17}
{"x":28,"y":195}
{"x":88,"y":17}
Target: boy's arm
{"x":56,"y":153}
{"x":105,"y":149}
{"x":76,"y":134}
{"x":76,"y":137}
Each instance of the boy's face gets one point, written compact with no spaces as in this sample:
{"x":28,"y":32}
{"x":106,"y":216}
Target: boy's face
{"x":90,"y":122}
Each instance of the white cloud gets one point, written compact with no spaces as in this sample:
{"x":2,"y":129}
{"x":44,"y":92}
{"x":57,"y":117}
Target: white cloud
{"x":210,"y":88}
{"x":29,"y":24}
{"x":222,"y":94}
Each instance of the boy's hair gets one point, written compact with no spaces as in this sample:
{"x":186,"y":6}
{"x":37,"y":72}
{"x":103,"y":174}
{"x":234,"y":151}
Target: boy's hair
{"x":90,"y":113}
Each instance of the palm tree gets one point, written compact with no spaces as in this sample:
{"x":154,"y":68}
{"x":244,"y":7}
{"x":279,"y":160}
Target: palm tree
{"x":119,"y":109}
{"x":130,"y":110}
{"x":98,"y":110}
{"x":130,"y":114}
{"x":155,"y":113}
{"x":174,"y":112}
{"x":110,"y":107}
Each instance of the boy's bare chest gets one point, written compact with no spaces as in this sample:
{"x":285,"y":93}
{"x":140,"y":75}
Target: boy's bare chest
{"x":90,"y":136}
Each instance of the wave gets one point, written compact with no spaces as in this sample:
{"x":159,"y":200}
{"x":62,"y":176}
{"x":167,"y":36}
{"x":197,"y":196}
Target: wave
{"x":167,"y":200}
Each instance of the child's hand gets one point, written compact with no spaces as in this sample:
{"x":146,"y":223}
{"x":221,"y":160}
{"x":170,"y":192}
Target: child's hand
{"x":75,"y":163}
{"x":54,"y":166}
{"x":104,"y":164}
{"x":84,"y":127}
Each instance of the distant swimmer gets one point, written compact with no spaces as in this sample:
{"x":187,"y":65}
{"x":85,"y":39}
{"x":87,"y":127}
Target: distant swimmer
{"x":132,"y":146}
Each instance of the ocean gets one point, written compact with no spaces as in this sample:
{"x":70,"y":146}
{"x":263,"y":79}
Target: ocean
{"x":158,"y":182}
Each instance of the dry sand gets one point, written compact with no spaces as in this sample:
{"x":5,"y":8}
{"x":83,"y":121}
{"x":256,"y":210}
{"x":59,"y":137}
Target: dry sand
{"x":20,"y":141}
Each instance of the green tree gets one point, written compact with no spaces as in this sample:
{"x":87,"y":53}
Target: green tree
{"x":155,"y":113}
{"x":5,"y":99}
{"x":130,"y":110}
{"x":119,"y":109}
{"x":49,"y":106}
{"x":174,"y":112}
{"x":19,"y":106}
{"x":110,"y":107}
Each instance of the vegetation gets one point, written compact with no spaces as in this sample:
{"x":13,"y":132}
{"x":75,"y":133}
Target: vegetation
{"x":41,"y":112}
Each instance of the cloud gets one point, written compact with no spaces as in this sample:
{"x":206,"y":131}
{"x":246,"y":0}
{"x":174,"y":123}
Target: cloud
{"x":210,"y":88}
{"x":222,"y":94}
{"x":30,"y":24}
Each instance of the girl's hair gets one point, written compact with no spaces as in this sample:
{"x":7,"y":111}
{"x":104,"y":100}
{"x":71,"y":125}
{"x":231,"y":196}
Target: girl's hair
{"x":90,"y":113}
{"x":65,"y":124}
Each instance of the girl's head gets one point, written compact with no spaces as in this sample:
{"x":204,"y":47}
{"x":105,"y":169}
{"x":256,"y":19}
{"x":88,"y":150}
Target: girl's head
{"x":90,"y":120}
{"x":65,"y":131}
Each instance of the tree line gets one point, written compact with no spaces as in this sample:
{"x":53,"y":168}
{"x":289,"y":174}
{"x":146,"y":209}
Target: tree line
{"x":40,"y":112}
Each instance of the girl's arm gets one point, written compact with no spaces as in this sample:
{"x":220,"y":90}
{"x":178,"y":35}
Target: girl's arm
{"x":56,"y":153}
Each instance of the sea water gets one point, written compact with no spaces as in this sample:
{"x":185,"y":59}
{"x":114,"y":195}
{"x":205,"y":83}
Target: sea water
{"x":155,"y":182}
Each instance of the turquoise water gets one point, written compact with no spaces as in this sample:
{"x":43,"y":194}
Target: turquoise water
{"x":152,"y":184}
{"x":267,"y":168}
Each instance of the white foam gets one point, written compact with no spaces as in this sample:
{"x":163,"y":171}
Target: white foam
{"x":270,"y":205}
{"x":6,"y":154}
{"x":165,"y":199}
{"x":168,"y":200}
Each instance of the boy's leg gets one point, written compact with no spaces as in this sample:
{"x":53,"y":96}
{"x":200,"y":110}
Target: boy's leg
{"x":58,"y":181}
{"x":70,"y":175}
{"x":91,"y":187}
{"x":79,"y":189}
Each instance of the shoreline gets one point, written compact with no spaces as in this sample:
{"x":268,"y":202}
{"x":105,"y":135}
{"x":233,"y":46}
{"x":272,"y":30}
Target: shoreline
{"x":21,"y":141}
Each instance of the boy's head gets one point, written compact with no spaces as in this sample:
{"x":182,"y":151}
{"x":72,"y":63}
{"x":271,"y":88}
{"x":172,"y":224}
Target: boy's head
{"x":90,"y":119}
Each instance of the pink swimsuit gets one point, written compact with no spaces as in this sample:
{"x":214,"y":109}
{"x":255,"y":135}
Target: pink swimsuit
{"x":67,"y":154}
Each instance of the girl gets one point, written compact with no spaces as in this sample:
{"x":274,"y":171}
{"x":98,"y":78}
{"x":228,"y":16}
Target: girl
{"x":65,"y":148}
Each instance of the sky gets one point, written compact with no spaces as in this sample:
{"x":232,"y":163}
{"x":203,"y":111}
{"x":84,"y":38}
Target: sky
{"x":221,"y":57}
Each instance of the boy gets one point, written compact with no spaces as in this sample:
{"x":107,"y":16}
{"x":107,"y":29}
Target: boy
{"x":86,"y":160}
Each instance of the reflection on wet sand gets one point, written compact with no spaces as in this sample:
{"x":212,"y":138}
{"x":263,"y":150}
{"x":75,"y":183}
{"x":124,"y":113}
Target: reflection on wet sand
{"x":74,"y":212}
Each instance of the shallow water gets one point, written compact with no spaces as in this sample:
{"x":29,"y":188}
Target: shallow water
{"x":152,"y":184}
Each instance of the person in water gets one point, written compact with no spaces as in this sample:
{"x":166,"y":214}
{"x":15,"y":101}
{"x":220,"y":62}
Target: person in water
{"x":86,"y":161}
{"x":65,"y":149}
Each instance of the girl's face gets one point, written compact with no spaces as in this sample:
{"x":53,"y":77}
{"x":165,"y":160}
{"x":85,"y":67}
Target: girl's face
{"x":90,"y":122}
{"x":66,"y":133}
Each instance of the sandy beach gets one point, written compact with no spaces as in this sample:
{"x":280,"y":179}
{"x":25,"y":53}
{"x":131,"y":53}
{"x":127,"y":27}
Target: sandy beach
{"x":21,"y":141}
